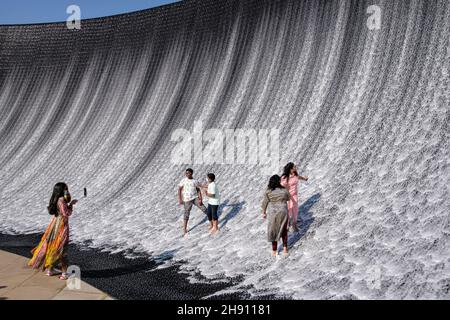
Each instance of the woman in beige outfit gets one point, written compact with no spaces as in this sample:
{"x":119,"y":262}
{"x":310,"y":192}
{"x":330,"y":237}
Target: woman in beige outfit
{"x":275,"y":202}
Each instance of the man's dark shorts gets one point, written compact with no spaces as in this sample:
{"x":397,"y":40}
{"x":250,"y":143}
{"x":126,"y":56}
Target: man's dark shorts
{"x":212,"y":212}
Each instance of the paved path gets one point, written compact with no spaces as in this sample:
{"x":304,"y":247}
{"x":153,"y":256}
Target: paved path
{"x":19,"y":282}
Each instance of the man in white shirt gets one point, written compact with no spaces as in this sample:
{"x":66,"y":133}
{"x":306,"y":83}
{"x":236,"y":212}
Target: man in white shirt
{"x":212,"y":192}
{"x":189,"y":194}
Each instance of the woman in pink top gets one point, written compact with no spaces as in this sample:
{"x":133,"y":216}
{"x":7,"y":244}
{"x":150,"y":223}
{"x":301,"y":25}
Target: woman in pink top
{"x":289,"y":180}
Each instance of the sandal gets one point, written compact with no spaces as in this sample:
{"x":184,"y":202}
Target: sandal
{"x":51,"y":272}
{"x":64,"y":276}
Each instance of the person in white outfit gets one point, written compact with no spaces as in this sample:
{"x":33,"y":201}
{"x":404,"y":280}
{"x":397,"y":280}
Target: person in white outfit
{"x":189,"y":194}
{"x":212,"y":192}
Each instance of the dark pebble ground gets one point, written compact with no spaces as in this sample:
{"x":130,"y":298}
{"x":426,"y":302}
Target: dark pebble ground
{"x":124,"y":278}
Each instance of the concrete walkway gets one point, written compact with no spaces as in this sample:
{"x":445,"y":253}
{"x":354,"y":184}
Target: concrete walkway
{"x":20,"y":282}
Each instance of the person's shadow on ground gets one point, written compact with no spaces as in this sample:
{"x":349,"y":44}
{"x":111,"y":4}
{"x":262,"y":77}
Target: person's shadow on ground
{"x":165,"y":256}
{"x":235,"y":209}
{"x":305,"y":217}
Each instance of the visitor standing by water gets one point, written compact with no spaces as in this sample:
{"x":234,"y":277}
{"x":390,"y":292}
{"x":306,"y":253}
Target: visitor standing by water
{"x":275,"y":202}
{"x":289,"y":180}
{"x":212,"y":192}
{"x":189,"y":194}
{"x":53,"y":245}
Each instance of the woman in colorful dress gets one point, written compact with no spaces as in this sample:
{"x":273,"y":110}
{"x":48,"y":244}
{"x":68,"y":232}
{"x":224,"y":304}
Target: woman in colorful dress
{"x":53,"y":245}
{"x":275,"y":201}
{"x":289,"y":180}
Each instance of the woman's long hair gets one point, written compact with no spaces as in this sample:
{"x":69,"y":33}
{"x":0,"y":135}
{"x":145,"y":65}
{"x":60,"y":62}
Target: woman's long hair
{"x":58,"y":191}
{"x":287,"y":170}
{"x":274,"y":182}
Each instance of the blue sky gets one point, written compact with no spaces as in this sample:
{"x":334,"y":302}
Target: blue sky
{"x":38,"y":11}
